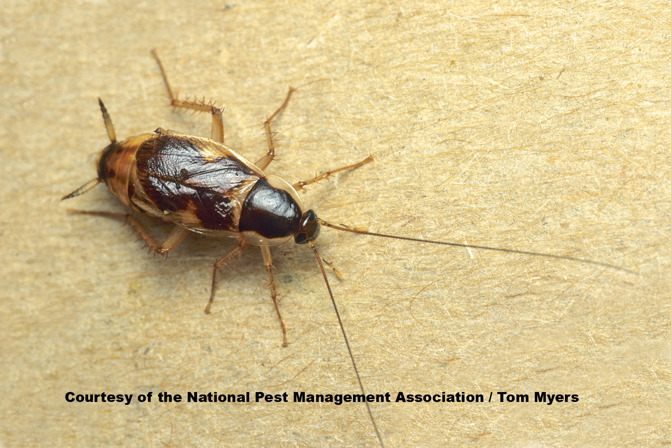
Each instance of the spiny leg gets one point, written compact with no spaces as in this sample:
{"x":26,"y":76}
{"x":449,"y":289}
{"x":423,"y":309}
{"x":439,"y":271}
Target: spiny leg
{"x":265,"y":160}
{"x":268,"y":261}
{"x":175,"y":237}
{"x":217,"y":266}
{"x":299,"y":186}
{"x":327,"y":174}
{"x":200,"y":106}
{"x":335,"y":270}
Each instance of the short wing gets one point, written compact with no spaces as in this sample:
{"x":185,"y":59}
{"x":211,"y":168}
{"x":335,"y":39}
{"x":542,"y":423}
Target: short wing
{"x":193,"y":182}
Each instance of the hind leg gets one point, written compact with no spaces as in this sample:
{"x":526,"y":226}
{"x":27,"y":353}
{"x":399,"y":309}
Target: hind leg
{"x":200,"y":106}
{"x":171,"y":242}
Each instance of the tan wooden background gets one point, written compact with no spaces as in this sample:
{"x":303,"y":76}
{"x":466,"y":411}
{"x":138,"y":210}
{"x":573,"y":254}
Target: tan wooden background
{"x":541,"y":126}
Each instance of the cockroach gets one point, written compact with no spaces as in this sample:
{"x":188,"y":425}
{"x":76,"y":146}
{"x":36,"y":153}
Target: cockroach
{"x":201,"y":185}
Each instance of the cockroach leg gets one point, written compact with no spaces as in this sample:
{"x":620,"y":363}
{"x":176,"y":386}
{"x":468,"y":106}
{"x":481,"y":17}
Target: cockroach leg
{"x":268,"y":261}
{"x":199,"y":106}
{"x":327,"y":174}
{"x":335,"y":270}
{"x":265,"y":160}
{"x":175,"y":237}
{"x":217,"y":266}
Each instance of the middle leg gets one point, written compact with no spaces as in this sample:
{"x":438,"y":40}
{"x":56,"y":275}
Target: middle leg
{"x":264,"y":161}
{"x":217,"y":266}
{"x":268,"y":262}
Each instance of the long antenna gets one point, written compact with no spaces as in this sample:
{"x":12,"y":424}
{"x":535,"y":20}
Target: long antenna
{"x":474,"y":246}
{"x":344,"y":335}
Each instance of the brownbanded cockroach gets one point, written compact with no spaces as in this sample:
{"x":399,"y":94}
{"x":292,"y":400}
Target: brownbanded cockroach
{"x":201,"y":185}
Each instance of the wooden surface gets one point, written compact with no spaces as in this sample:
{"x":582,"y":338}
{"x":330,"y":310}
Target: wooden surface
{"x":536,"y":126}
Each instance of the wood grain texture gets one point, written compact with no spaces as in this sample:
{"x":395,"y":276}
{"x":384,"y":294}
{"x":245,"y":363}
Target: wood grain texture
{"x":535,"y":126}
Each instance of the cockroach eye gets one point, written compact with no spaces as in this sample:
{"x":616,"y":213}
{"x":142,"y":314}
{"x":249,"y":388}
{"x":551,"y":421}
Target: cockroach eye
{"x":309,"y":229}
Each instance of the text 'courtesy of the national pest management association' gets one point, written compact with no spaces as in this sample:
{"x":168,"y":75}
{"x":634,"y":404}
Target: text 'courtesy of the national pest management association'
{"x":548,"y":398}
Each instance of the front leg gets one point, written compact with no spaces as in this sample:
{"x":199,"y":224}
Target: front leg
{"x":299,"y":185}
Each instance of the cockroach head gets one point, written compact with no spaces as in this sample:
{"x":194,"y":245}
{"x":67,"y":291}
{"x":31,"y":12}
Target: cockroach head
{"x":308,"y":229}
